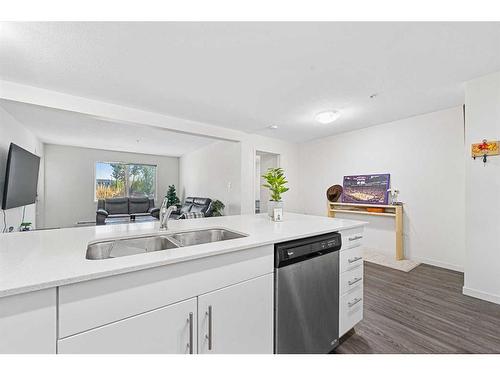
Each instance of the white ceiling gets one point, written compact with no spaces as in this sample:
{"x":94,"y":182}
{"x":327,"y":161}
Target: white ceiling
{"x":247,"y":76}
{"x":76,"y":129}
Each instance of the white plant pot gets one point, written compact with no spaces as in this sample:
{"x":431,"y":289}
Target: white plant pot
{"x":271,"y":205}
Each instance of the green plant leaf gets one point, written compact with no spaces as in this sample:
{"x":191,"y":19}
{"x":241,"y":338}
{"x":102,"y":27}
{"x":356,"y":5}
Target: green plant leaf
{"x":276,"y":181}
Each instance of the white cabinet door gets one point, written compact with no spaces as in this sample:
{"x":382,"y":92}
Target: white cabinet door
{"x":171,"y":329}
{"x":28,"y":323}
{"x":237,"y":319}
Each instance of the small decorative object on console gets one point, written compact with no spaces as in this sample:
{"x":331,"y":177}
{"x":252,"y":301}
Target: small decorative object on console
{"x":334,"y":193}
{"x":378,"y":210}
{"x":393,"y":196}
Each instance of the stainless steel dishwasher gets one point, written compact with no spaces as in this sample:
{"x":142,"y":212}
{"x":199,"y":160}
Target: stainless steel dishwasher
{"x":306,"y":299}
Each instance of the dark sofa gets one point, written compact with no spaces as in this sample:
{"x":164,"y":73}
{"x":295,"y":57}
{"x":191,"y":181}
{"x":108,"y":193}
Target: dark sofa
{"x":194,"y":204}
{"x":125,"y":207}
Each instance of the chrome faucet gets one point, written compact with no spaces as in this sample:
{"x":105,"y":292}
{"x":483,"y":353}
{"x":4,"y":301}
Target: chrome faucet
{"x":165,"y":214}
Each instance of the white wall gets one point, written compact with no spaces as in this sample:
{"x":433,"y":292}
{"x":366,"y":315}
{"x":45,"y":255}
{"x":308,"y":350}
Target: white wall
{"x":69,"y":180}
{"x":213,"y":171}
{"x":424,"y":156}
{"x":482,"y":256}
{"x":13,"y":131}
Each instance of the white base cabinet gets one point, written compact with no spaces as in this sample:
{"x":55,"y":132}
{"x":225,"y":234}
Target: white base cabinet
{"x":171,"y":329}
{"x":165,"y":309}
{"x":234,"y":319}
{"x":351,"y":280}
{"x":237,"y":319}
{"x":96,"y":303}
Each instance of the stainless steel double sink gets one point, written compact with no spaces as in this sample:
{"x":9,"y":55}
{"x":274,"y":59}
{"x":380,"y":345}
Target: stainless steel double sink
{"x":157,"y":242}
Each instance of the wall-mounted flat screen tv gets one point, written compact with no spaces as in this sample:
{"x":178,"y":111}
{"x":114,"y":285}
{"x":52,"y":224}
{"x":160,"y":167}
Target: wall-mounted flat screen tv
{"x":21,"y":178}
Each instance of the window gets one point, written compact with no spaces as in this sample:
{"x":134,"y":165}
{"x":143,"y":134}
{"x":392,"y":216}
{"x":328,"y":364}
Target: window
{"x":113,"y":180}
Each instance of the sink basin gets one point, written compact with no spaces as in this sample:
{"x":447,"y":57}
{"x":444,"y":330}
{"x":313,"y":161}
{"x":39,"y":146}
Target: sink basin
{"x":198,"y":237}
{"x":145,"y":244}
{"x":130,"y":246}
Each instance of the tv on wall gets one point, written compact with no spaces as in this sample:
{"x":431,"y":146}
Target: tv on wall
{"x":21,"y":178}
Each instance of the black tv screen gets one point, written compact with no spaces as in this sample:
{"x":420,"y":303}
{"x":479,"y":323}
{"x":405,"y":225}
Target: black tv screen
{"x":21,"y":178}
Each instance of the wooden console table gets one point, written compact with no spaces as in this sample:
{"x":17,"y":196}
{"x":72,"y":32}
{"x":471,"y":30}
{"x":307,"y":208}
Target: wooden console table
{"x":389,"y":210}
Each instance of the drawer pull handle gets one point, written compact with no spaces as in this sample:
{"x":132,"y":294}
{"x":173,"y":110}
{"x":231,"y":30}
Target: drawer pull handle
{"x":190,"y":345}
{"x":354,"y":281}
{"x":355,"y":238}
{"x":354,"y":301}
{"x":355,"y":259}
{"x":209,"y":335}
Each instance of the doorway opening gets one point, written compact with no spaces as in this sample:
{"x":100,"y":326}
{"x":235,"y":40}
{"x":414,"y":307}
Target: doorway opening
{"x":263,"y":161}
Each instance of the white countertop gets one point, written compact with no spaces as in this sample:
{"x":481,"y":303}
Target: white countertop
{"x":42,"y":259}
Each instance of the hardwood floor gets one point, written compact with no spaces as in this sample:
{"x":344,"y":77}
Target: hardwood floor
{"x":423,"y":311}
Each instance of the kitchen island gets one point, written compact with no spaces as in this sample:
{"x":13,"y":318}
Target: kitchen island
{"x":210,"y":298}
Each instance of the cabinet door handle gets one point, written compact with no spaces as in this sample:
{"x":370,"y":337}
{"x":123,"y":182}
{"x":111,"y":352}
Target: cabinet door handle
{"x":354,"y":301}
{"x":209,"y":335}
{"x":355,"y":259}
{"x":354,"y":281}
{"x":355,"y":238}
{"x":190,"y":344}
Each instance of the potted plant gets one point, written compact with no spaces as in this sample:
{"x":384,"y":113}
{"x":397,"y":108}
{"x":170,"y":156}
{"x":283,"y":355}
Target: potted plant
{"x":25,"y":226}
{"x":276,"y":181}
{"x":171,"y":196}
{"x":218,"y":208}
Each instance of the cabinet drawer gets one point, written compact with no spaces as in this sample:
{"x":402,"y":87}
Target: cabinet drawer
{"x":351,"y":279}
{"x":351,"y":258}
{"x":168,"y":330}
{"x":350,"y":310}
{"x":90,"y":304}
{"x":352,"y":238}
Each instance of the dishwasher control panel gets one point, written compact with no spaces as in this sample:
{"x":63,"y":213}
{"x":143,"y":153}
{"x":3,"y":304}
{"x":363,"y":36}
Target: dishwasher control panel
{"x":330,"y":243}
{"x":296,"y":250}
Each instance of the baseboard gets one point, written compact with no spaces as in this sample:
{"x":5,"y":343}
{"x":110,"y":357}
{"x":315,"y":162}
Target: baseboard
{"x":431,"y":262}
{"x":481,"y":295}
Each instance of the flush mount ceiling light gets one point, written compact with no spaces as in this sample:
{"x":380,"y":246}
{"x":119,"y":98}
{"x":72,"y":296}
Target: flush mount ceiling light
{"x":327,"y":117}
{"x":273,"y":127}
